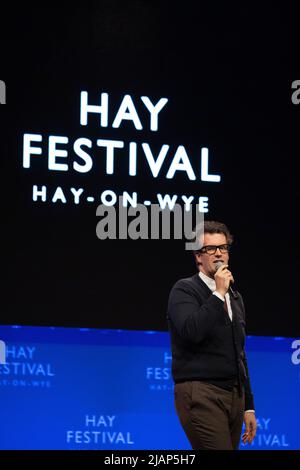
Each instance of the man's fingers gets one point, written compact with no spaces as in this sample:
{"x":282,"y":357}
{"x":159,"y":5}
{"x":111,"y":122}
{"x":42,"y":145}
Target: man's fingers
{"x":223,"y":266}
{"x":248,"y":436}
{"x":223,"y":270}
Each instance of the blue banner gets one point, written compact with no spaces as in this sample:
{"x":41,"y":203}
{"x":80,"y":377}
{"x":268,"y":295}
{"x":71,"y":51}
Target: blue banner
{"x":71,"y":388}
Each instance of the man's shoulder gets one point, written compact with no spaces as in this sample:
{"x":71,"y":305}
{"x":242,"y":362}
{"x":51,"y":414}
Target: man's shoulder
{"x":186,"y":280}
{"x":190,"y":283}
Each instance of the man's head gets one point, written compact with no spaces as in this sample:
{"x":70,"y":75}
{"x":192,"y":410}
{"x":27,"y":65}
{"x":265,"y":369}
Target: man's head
{"x":215,"y":247}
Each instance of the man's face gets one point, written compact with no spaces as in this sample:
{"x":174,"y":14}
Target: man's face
{"x":208,"y":262}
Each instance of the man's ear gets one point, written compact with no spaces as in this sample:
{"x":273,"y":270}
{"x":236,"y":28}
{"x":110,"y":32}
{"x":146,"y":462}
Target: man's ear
{"x":197,"y":259}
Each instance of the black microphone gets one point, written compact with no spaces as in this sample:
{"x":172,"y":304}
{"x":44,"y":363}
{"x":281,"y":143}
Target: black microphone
{"x":231,"y":290}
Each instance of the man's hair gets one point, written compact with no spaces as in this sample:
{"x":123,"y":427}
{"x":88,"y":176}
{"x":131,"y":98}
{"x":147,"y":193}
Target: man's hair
{"x":211,"y":226}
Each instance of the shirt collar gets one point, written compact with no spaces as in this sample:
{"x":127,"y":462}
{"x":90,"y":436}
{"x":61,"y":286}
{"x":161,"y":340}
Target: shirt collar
{"x":211,"y":283}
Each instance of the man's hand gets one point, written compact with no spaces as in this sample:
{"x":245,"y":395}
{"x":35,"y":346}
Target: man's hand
{"x":223,"y":277}
{"x":250,"y":424}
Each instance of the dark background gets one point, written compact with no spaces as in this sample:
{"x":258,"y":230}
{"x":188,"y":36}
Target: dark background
{"x":227,"y":71}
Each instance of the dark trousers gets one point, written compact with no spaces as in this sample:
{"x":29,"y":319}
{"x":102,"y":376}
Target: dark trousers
{"x":211,"y":417}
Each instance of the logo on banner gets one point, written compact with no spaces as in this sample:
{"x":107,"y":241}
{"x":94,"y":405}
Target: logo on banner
{"x":82,"y":156}
{"x":159,"y":376}
{"x":22,"y":368}
{"x":101,"y":430}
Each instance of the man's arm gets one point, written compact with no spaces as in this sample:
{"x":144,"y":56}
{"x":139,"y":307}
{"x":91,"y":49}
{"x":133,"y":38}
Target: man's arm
{"x":249,"y":399}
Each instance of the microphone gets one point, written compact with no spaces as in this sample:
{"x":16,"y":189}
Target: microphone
{"x":231,"y":290}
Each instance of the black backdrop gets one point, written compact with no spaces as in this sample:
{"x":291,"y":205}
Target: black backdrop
{"x":227,"y":71}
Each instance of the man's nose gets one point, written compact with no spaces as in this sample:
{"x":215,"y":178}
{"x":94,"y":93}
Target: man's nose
{"x":218,"y":252}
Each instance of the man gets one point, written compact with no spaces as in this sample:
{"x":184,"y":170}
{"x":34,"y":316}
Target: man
{"x":207,"y":326}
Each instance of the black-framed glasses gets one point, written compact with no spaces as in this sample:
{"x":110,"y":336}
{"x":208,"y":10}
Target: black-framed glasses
{"x":211,"y":249}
